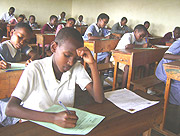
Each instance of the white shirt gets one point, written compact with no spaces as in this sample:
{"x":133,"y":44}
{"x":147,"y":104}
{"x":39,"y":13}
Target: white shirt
{"x":80,"y":23}
{"x":39,"y":89}
{"x":7,"y":17}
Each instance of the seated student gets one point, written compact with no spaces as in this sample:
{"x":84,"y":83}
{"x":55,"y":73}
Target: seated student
{"x":70,"y":23}
{"x":129,"y":41}
{"x":80,"y":21}
{"x":10,"y":50}
{"x":171,"y":36}
{"x":50,"y":27}
{"x":54,"y":80}
{"x":19,"y":19}
{"x":172,"y":54}
{"x":32,"y":22}
{"x":147,"y":25}
{"x":62,"y":17}
{"x":6,"y":17}
{"x":121,"y":27}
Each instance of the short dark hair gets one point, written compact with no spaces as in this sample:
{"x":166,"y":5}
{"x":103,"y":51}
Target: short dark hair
{"x":69,"y":19}
{"x":81,"y":16}
{"x":12,"y":8}
{"x":140,"y":28}
{"x":63,"y":13}
{"x":103,"y":16}
{"x":177,"y":28}
{"x":124,"y":18}
{"x":22,"y":16}
{"x":23,"y":25}
{"x":146,"y":22}
{"x":68,"y":33}
{"x":33,"y":17}
{"x":52,"y":17}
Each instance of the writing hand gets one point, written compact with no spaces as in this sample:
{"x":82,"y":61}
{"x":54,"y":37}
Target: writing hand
{"x":4,"y":65}
{"x":28,"y":61}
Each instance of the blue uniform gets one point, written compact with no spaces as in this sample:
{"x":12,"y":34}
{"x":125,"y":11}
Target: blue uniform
{"x":174,"y":97}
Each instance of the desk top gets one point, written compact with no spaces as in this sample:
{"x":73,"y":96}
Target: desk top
{"x":117,"y":121}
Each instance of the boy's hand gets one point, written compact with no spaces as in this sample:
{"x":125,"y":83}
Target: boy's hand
{"x":85,"y":53}
{"x":4,"y":65}
{"x":28,"y":61}
{"x":66,"y":120}
{"x":145,"y":45}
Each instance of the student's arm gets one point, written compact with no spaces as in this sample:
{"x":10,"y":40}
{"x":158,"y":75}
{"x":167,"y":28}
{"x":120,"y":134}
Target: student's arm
{"x":62,"y":119}
{"x":95,"y":87}
{"x":4,"y":65}
{"x":131,"y":46}
{"x":33,"y":56}
{"x":166,"y":38}
{"x":171,"y":56}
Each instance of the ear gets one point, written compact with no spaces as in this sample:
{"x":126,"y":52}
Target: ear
{"x":11,"y":32}
{"x":54,"y":46}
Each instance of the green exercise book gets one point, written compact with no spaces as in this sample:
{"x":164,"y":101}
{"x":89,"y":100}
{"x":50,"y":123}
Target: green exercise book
{"x":86,"y":122}
{"x":16,"y":66}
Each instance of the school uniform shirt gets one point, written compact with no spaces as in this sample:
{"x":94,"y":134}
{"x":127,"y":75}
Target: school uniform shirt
{"x":63,"y":20}
{"x":33,"y":25}
{"x":48,"y":27}
{"x":6,"y":17}
{"x":80,"y":23}
{"x":174,"y":97}
{"x":10,"y":54}
{"x":117,"y":28}
{"x":98,"y":32}
{"x":168,"y":36}
{"x":39,"y":89}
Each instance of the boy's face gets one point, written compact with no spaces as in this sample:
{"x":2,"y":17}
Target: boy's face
{"x":123,"y":23}
{"x":80,"y":19}
{"x":102,"y":22}
{"x":11,"y":12}
{"x":147,"y":25}
{"x":62,"y":15}
{"x":176,"y":33}
{"x":54,"y":21}
{"x":139,"y":35}
{"x":70,"y":23}
{"x":31,"y":20}
{"x":20,"y":19}
{"x":65,"y":55}
{"x":20,"y":37}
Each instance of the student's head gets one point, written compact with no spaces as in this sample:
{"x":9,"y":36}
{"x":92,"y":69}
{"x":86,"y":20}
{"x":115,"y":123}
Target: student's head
{"x":63,"y":14}
{"x":70,"y":22}
{"x":53,"y":20}
{"x":140,"y":32}
{"x":20,"y":18}
{"x":102,"y":20}
{"x":32,"y":19}
{"x":176,"y":32}
{"x":11,"y":10}
{"x":64,"y":48}
{"x":123,"y":21}
{"x":80,"y":18}
{"x":20,"y":35}
{"x":147,"y":24}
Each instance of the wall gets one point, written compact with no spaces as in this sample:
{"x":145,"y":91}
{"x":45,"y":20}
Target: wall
{"x":42,"y":9}
{"x":162,"y":14}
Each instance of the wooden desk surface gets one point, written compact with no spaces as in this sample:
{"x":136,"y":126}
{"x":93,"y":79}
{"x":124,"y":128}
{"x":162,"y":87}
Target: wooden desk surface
{"x":116,"y":123}
{"x":135,"y":57}
{"x":81,"y":28}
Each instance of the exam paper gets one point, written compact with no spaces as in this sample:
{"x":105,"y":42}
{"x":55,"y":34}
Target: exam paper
{"x":128,"y":100}
{"x":16,"y":66}
{"x":86,"y":122}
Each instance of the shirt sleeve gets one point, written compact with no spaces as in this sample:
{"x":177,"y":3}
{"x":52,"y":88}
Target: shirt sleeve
{"x":106,"y":32}
{"x":44,"y":29}
{"x":125,"y":40}
{"x":26,"y":49}
{"x":89,"y":30}
{"x":174,"y":48}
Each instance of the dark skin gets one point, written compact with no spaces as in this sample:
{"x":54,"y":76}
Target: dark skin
{"x":65,"y":56}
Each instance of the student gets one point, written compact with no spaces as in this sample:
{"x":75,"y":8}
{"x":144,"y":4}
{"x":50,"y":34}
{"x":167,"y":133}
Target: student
{"x":50,"y":27}
{"x":32,"y":22}
{"x":147,"y":25}
{"x":70,"y":23}
{"x":54,"y":80}
{"x":170,"y":36}
{"x":130,"y":41}
{"x":62,"y":17}
{"x":10,"y":50}
{"x":80,"y":21}
{"x":121,"y":27}
{"x":6,"y":17}
{"x":18,"y":20}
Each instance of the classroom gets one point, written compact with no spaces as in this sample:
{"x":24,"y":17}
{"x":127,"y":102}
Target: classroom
{"x":136,"y":66}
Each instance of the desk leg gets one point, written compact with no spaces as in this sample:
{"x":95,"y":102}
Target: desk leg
{"x":38,"y":52}
{"x":166,"y":96}
{"x":115,"y":75}
{"x":129,"y":77}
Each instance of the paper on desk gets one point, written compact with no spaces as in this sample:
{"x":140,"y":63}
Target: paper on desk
{"x":86,"y":122}
{"x":16,"y":66}
{"x":128,"y":100}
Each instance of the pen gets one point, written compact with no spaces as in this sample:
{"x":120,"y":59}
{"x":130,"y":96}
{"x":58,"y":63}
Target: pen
{"x":64,"y":107}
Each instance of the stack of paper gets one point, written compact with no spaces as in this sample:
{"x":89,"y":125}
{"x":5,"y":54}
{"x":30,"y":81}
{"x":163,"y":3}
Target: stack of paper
{"x":128,"y":100}
{"x":16,"y":66}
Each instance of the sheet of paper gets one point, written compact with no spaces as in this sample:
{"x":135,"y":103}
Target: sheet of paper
{"x":16,"y":66}
{"x":128,"y":100}
{"x":161,"y":46}
{"x":145,"y":48}
{"x":86,"y":122}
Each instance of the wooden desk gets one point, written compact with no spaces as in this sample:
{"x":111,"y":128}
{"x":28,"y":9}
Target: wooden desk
{"x":173,"y":72}
{"x":154,"y":40}
{"x":8,"y":82}
{"x":116,"y":123}
{"x":9,"y":28}
{"x":135,"y":57}
{"x":82,"y":28}
{"x":44,"y":39}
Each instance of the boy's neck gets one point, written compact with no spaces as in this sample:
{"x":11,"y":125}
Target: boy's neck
{"x":98,"y":25}
{"x":57,"y":73}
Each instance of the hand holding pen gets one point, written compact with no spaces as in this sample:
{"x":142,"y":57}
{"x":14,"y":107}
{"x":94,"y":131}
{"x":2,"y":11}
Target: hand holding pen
{"x":4,"y":65}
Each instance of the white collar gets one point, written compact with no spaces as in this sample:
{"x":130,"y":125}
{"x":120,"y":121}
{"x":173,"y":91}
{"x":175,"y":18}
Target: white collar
{"x":133,"y":38}
{"x":11,"y":48}
{"x":96,"y":27}
{"x":173,"y":35}
{"x":50,"y":25}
